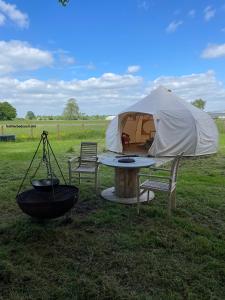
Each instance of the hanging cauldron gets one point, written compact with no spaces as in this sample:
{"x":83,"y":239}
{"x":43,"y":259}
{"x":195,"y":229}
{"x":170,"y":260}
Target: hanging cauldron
{"x":48,"y":198}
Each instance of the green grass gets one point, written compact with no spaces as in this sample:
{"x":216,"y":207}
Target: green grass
{"x":60,"y":130}
{"x":107,"y":251}
{"x":221,"y":125}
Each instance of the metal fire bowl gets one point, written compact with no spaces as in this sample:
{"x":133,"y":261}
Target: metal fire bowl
{"x":126,"y":160}
{"x":45,"y":185}
{"x":43,"y":205}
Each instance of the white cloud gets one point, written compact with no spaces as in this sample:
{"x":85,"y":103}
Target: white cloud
{"x":19,"y":56}
{"x":104,"y":94}
{"x":209,"y":13}
{"x":133,"y":69}
{"x":14,"y":14}
{"x":172,"y":27}
{"x":107,"y":94}
{"x":2,"y":19}
{"x":191,"y":87}
{"x":66,"y":59}
{"x":214,"y":51}
{"x":144,"y":4}
{"x":90,"y":66}
{"x":63,"y":58}
{"x":191,"y":13}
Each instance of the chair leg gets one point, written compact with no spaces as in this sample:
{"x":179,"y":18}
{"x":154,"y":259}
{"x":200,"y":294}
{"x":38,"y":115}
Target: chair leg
{"x":169,"y":204}
{"x":138,"y":204}
{"x":79,"y":178}
{"x":70,"y":175}
{"x":96,"y":183}
{"x":173,"y":200}
{"x":138,"y":199}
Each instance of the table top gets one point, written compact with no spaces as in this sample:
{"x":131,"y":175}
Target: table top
{"x":139,"y":162}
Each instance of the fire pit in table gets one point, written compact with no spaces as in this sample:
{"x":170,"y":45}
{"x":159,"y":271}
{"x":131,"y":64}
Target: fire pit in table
{"x":48,"y":198}
{"x":126,"y":160}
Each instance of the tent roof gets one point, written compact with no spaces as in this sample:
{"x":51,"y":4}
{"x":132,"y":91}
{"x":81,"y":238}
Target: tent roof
{"x":160,"y":99}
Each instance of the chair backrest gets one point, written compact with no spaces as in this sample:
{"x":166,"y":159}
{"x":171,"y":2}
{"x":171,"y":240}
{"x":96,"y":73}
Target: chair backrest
{"x":88,"y":153}
{"x":174,"y":168}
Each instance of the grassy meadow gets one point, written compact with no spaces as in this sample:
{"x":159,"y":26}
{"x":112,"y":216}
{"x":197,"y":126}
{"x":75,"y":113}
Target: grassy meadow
{"x":60,"y":130}
{"x":106,"y":250}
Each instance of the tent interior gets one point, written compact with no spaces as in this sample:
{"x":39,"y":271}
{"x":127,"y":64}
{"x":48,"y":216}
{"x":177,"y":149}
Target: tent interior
{"x":137,"y":132}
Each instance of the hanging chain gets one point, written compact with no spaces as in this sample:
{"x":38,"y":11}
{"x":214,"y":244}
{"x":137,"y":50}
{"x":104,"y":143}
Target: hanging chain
{"x":46,"y":151}
{"x":45,"y":157}
{"x":57,"y":162}
{"x":25,"y":176}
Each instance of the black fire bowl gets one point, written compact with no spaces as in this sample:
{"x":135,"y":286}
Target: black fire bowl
{"x":48,"y":205}
{"x":45,"y":185}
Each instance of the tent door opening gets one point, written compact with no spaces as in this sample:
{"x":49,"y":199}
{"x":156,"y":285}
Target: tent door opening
{"x":137,"y":132}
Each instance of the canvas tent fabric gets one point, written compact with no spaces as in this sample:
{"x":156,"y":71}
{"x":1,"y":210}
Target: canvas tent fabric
{"x":178,"y":125}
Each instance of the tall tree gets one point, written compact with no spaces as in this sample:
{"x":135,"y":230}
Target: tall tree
{"x":7,"y":111}
{"x":30,"y":115}
{"x":199,"y":103}
{"x":64,"y":2}
{"x":71,"y":111}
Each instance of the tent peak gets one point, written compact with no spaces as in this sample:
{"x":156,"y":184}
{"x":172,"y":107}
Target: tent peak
{"x":163,"y":88}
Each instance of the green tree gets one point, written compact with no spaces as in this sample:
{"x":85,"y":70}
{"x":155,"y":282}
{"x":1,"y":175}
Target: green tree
{"x":71,"y":111}
{"x":64,"y":2}
{"x":30,"y":115}
{"x":7,"y":111}
{"x":199,"y":103}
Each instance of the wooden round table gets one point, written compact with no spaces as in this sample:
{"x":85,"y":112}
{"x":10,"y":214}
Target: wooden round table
{"x":125,"y":189}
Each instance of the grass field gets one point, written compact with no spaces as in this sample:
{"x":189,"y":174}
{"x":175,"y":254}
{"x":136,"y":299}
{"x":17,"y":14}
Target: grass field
{"x":59,"y":130}
{"x":107,"y":251}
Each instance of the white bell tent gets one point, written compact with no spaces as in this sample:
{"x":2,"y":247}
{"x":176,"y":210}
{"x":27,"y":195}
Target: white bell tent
{"x":162,"y":124}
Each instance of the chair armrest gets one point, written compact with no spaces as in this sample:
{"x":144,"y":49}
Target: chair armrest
{"x":154,"y":176}
{"x":162,"y":177}
{"x":160,"y":169}
{"x":89,"y":160}
{"x":75,"y":158}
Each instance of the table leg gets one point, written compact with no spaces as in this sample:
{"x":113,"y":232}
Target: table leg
{"x":126,"y":182}
{"x":125,"y":187}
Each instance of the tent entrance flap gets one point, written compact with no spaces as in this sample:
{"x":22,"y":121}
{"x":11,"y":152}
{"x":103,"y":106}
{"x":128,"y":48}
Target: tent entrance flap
{"x":137,"y":132}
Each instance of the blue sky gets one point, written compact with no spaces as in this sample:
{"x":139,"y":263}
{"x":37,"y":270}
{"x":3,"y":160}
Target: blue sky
{"x":109,"y":54}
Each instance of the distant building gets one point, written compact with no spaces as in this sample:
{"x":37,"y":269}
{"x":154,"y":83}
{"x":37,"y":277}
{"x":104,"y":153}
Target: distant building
{"x":217,"y":115}
{"x":109,"y":118}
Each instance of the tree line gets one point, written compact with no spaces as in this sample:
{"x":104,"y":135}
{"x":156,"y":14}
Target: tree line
{"x":71,"y":112}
